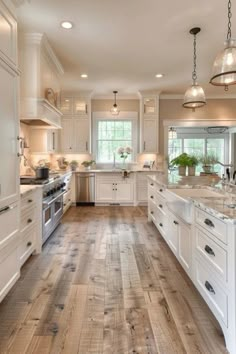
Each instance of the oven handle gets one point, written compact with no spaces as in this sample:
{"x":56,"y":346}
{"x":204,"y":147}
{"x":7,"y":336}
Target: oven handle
{"x":45,"y":204}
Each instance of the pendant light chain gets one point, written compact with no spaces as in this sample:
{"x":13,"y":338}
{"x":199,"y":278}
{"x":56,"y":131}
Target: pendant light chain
{"x":229,"y":20}
{"x":194,"y":73}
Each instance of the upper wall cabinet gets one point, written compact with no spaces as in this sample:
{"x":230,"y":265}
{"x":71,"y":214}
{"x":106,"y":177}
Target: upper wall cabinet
{"x":40,"y":80}
{"x":149,"y":123}
{"x":8,"y":36}
{"x":76,"y":106}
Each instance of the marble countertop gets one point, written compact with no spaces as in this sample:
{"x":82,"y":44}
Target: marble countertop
{"x":116,"y":170}
{"x":24,"y":189}
{"x":223,"y":207}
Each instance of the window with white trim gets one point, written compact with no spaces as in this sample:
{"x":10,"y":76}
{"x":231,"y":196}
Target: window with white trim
{"x":110,"y":134}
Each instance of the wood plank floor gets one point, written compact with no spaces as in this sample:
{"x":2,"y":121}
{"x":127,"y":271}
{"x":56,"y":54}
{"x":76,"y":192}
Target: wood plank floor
{"x":106,"y":282}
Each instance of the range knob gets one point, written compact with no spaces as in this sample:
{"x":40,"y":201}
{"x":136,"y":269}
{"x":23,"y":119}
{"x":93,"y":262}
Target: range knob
{"x":48,"y":193}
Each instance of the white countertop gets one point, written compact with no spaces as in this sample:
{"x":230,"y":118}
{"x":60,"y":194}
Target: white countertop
{"x":28,"y":188}
{"x":218,"y":207}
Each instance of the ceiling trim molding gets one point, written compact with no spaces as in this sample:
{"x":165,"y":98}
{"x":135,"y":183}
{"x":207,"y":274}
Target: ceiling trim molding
{"x":208,"y":97}
{"x":193,"y":122}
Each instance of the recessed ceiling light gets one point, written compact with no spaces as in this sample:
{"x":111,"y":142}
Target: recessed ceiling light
{"x":84,"y":76}
{"x":66,"y":25}
{"x":159,"y":75}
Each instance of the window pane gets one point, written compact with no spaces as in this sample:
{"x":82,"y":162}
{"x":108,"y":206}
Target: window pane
{"x":110,"y":136}
{"x":216,"y":147}
{"x":175,"y":148}
{"x":194,"y":146}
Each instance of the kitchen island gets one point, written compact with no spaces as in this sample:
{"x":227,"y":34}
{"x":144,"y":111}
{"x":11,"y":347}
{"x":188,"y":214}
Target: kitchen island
{"x":198,"y":224}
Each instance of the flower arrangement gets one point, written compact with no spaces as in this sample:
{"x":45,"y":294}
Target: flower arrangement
{"x":124,"y":152}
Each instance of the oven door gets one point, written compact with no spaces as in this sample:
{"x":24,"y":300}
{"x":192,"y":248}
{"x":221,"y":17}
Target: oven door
{"x":48,"y":214}
{"x":58,"y":210}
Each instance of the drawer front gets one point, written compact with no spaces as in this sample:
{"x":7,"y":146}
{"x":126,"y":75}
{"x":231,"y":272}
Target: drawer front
{"x":217,"y":227}
{"x":161,"y":222}
{"x":28,"y":200}
{"x":27,"y":218}
{"x":161,"y":204}
{"x":67,"y":198}
{"x":212,"y":292}
{"x":151,"y":195}
{"x":9,"y":271}
{"x":212,"y":253}
{"x":9,"y":223}
{"x":27,"y":245}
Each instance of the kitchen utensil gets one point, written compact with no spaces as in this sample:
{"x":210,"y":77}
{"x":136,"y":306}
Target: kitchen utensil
{"x":42,"y":172}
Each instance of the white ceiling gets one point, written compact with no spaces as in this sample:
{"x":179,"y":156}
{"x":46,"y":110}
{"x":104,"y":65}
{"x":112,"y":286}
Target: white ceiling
{"x":123,"y":44}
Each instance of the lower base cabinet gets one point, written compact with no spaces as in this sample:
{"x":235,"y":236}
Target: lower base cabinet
{"x":114,"y":189}
{"x":9,"y":268}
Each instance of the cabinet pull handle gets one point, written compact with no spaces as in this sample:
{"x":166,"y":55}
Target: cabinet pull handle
{"x":29,"y":244}
{"x":29,"y":221}
{"x":175,"y":222}
{"x":86,"y":146}
{"x":208,"y":222}
{"x":30,"y":200}
{"x":21,"y":141}
{"x":160,"y":190}
{"x":86,"y":109}
{"x":161,"y":225}
{"x":144,"y":145}
{"x":151,"y":197}
{"x":209,"y":250}
{"x":160,"y":206}
{"x":4,"y":210}
{"x":53,"y":140}
{"x":209,"y":287}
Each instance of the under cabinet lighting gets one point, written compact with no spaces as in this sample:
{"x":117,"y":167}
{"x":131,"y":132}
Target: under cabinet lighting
{"x":158,"y":76}
{"x":84,"y":76}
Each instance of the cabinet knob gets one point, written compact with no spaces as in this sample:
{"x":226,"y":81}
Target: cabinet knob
{"x":160,"y":190}
{"x":151,"y":184}
{"x":208,"y":222}
{"x":29,"y":221}
{"x":209,"y":287}
{"x":29,"y":244}
{"x":161,"y":225}
{"x":209,"y":250}
{"x":160,"y":206}
{"x":175,"y":222}
{"x":151,"y":197}
{"x":152,"y":212}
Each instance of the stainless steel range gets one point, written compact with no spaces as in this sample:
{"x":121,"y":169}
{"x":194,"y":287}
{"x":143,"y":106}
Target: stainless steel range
{"x":53,"y":190}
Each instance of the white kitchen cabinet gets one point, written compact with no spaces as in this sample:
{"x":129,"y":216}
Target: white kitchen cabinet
{"x":81,"y":135}
{"x":149,"y":123}
{"x":76,"y":106}
{"x":142,"y":186}
{"x":8,"y":36}
{"x":9,"y":147}
{"x":75,"y":135}
{"x":185,"y":246}
{"x":43,"y":140}
{"x":113,"y":188}
{"x":150,"y":135}
{"x":173,"y":233}
{"x":9,"y":130}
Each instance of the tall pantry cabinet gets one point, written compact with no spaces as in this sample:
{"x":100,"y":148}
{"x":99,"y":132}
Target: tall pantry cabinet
{"x":9,"y":130}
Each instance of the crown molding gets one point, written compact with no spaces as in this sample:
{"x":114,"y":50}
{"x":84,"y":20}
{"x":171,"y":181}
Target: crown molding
{"x":208,"y":97}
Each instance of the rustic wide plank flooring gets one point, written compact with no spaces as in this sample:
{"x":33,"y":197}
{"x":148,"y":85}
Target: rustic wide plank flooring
{"x":106,"y":282}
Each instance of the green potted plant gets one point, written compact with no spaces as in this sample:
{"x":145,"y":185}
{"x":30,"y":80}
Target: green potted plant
{"x":181,"y":161}
{"x":193,"y":162}
{"x":73,"y":165}
{"x":88,"y":164}
{"x":208,"y":161}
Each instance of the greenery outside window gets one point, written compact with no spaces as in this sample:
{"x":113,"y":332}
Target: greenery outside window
{"x":110,"y":134}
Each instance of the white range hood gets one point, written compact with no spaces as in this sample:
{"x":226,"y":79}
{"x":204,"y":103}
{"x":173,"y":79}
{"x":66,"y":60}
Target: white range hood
{"x":41,"y":70}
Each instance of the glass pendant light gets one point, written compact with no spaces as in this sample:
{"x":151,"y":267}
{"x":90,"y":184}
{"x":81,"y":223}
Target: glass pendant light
{"x":224,"y":67}
{"x":194,"y":96}
{"x":114,"y":110}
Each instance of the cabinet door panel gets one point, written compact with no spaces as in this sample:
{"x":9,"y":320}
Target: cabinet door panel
{"x":9,"y":130}
{"x":8,"y":28}
{"x":150,"y":135}
{"x":81,"y":135}
{"x":185,"y":255}
{"x":173,"y":230}
{"x":67,"y":136}
{"x":124,"y":192}
{"x":104,"y":191}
